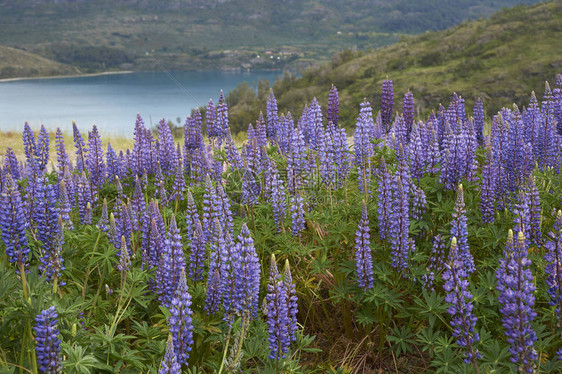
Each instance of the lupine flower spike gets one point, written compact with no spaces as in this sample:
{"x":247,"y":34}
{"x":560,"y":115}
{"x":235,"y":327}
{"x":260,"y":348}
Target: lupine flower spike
{"x":460,"y":306}
{"x":363,"y":259}
{"x":277,"y":314}
{"x":48,"y":343}
{"x":170,"y":363}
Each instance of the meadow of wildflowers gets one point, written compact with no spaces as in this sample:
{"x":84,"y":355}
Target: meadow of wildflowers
{"x":418,"y":245}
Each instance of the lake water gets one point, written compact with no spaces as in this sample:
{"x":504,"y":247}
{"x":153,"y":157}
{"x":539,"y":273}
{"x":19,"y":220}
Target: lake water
{"x":113,"y":101}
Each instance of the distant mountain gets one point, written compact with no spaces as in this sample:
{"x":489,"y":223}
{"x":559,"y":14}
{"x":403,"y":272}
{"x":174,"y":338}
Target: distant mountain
{"x":189,"y":34}
{"x":497,"y":59}
{"x":18,"y":63}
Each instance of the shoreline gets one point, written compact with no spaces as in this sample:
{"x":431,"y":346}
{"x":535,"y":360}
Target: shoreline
{"x":67,"y":76}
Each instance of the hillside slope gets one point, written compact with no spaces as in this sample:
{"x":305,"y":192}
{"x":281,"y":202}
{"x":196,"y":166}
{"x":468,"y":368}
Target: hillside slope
{"x":197,"y":34}
{"x":497,"y":59}
{"x":18,"y":63}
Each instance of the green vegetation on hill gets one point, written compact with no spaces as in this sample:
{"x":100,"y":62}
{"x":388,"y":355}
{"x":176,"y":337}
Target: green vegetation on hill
{"x":18,"y":63}
{"x":497,"y":59}
{"x":230,"y":34}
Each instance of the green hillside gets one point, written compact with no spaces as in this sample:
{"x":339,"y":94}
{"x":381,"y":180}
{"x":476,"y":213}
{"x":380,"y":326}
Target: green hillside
{"x":18,"y":63}
{"x":210,"y":34}
{"x":497,"y":59}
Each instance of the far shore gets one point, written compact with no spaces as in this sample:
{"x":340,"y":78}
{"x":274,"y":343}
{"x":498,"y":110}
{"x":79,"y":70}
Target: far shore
{"x":68,"y":76}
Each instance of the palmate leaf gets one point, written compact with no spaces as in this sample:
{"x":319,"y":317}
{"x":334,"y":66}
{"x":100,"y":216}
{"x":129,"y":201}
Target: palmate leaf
{"x":401,"y":340}
{"x":78,"y":361}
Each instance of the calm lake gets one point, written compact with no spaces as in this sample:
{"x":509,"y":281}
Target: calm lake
{"x":113,"y":101}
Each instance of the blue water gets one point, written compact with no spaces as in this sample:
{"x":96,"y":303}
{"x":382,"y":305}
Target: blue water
{"x":113,"y":101}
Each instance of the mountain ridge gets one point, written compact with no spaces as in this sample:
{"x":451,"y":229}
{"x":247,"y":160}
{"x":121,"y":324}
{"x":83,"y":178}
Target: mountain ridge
{"x":496,"y":59}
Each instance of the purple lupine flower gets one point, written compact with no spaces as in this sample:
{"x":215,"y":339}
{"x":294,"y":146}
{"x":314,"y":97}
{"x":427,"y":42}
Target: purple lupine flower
{"x":221,"y":210}
{"x":84,"y":195}
{"x":208,"y":198}
{"x":416,"y":153}
{"x":64,"y":206}
{"x":553,"y":268}
{"x":399,"y":133}
{"x":52,"y":263}
{"x":42,"y":148}
{"x":193,"y":137}
{"x":333,"y":106}
{"x":123,"y":165}
{"x":213,"y":299}
{"x":436,"y":262}
{"x":13,"y":224}
{"x":292,"y":301}
{"x":271,"y":115}
{"x":139,"y":162}
{"x":534,"y":229}
{"x":522,"y":213}
{"x":113,"y":168}
{"x":454,"y":157}
{"x":408,"y":110}
{"x":62,"y":157}
{"x":11,"y":165}
{"x":232,"y":155}
{"x":216,"y":246}
{"x":296,"y":162}
{"x":277,"y":196}
{"x":399,"y":225}
{"x":251,"y":188}
{"x":113,"y":232}
{"x":363,"y":259}
{"x":81,"y":150}
{"x":46,"y":213}
{"x":516,"y":288}
{"x":197,"y":254}
{"x":162,"y":194}
{"x":362,"y":145}
{"x":277,"y":314}
{"x":326,"y":159}
{"x":488,"y":187}
{"x":479,"y":120}
{"x":155,"y":243}
{"x":248,"y":272}
{"x":221,"y":121}
{"x":30,"y":146}
{"x":172,"y":263}
{"x":103,"y":223}
{"x":419,"y":202}
{"x":459,"y":230}
{"x":180,"y":321}
{"x":460,"y":306}
{"x":125,"y":224}
{"x":297,"y":215}
{"x":47,"y":341}
{"x":387,"y":103}
{"x":167,"y":155}
{"x":88,"y":217}
{"x":518,"y":155}
{"x":385,"y":200}
{"x":169,"y":364}
{"x":210,"y":121}
{"x":124,"y":258}
{"x":191,"y":216}
{"x":433,"y":154}
{"x":557,"y":96}
{"x":261,"y":131}
{"x":313,"y":124}
{"x":229,"y":257}
{"x":138,"y":204}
